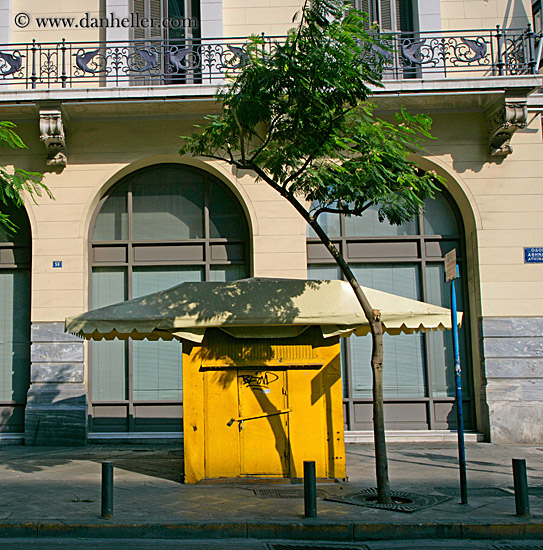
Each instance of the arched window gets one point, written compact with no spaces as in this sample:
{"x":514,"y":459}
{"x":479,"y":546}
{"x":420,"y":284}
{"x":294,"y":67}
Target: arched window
{"x":158,"y":227}
{"x":406,"y":260}
{"x":15,"y":254}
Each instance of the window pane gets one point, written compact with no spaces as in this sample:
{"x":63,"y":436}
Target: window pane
{"x":153,"y":278}
{"x":220,"y":273}
{"x":167,"y":205}
{"x":440,"y":342}
{"x":112,"y":221}
{"x":157,"y":365}
{"x":224,"y":217}
{"x":403,"y":374}
{"x":14,"y":335}
{"x":330,"y":224}
{"x":439,"y":219}
{"x":401,"y":279}
{"x":403,"y":370}
{"x":368,"y":225}
{"x":323,"y":273}
{"x":108,"y":358}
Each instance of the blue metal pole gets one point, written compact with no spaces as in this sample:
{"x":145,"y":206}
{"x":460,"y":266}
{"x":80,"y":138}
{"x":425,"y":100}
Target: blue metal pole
{"x":459,"y":411}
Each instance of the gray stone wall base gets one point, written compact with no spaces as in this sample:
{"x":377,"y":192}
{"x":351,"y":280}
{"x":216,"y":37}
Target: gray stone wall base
{"x":56,"y":410}
{"x":513,"y":353}
{"x":516,"y":422}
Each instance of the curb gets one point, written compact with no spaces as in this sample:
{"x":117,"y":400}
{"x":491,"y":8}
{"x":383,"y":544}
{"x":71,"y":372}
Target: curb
{"x":309,"y":530}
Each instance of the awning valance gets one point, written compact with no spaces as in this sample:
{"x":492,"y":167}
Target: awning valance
{"x":255,"y":308}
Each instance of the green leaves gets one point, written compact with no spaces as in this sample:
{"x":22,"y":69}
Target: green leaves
{"x":14,"y":186}
{"x":297,"y":114}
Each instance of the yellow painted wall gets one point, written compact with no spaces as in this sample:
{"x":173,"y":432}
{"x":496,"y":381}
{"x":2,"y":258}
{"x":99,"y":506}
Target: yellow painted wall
{"x":310,"y":427}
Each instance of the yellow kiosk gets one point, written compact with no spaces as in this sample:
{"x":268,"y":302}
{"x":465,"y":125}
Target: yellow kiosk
{"x":261,"y":367}
{"x":261,"y":406}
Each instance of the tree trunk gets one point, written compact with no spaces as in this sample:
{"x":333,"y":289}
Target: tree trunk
{"x":374,"y":319}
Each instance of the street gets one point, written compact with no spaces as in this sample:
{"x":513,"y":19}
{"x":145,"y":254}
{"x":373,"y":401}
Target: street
{"x":254,"y":544}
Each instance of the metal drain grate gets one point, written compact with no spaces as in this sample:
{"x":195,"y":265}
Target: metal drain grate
{"x":403,"y":502}
{"x":305,"y":546}
{"x":286,"y":493}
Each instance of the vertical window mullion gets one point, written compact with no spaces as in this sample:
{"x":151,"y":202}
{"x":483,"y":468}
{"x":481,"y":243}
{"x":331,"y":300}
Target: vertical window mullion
{"x":130,"y":293}
{"x":207,"y":251}
{"x":427,"y":355}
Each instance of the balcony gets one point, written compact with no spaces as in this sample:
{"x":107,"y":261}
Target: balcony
{"x":428,"y":56}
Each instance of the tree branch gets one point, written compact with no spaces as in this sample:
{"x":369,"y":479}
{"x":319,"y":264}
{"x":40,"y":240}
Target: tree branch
{"x":241,"y":138}
{"x":311,"y":157}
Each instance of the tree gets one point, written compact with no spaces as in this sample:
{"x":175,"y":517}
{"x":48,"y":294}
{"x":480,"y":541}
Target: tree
{"x":14,"y":186}
{"x":297,"y":115}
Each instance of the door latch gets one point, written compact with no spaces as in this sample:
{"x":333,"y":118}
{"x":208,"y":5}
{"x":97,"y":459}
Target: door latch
{"x":241,"y":419}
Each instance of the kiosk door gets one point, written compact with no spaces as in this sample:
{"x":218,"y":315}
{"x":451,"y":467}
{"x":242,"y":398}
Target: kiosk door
{"x":263,"y":422}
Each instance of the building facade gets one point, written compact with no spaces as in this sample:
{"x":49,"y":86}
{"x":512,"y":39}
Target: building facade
{"x":101,"y":95}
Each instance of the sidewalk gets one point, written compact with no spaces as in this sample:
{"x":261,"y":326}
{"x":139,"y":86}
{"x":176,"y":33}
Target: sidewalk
{"x":52,"y":491}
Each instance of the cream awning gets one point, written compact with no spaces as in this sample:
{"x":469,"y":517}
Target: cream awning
{"x":271,"y":308}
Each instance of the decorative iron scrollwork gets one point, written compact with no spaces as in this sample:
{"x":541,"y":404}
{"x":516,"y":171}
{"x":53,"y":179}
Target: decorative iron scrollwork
{"x":411,"y":51}
{"x":90,"y":62}
{"x":162,"y":61}
{"x":11,"y":63}
{"x":182,"y":59}
{"x":239,"y":53}
{"x":478,"y":46}
{"x":143,"y":59}
{"x":440,"y":51}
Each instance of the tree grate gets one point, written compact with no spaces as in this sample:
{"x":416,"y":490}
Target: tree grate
{"x":286,"y":493}
{"x":305,"y":546}
{"x":401,"y":502}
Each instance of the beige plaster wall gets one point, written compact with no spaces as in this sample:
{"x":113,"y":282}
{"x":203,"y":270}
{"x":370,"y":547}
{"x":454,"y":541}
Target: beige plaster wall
{"x":273,"y":17}
{"x":502,"y":203}
{"x":56,"y":8}
{"x":485,"y":14}
{"x":98,"y":154}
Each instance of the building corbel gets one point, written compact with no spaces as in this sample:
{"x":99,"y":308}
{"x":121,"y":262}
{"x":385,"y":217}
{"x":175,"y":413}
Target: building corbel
{"x":52,"y":135}
{"x":503,"y":123}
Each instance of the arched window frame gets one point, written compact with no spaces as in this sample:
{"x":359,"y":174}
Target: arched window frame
{"x":209,"y":254}
{"x":423,"y":249}
{"x":15,"y":266}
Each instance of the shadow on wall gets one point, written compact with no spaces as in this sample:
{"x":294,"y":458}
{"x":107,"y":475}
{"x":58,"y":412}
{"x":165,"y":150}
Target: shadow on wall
{"x":465,"y":141}
{"x":515,"y":15}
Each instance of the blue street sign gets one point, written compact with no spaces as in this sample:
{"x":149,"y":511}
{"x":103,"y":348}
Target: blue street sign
{"x":533,"y":255}
{"x":57,"y":263}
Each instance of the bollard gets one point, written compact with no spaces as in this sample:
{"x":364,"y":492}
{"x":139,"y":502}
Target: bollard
{"x":107,"y":490}
{"x":310,"y":489}
{"x":520,"y":481}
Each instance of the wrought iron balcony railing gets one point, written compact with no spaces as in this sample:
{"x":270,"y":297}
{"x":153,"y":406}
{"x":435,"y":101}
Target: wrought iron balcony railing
{"x":496,"y":52}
